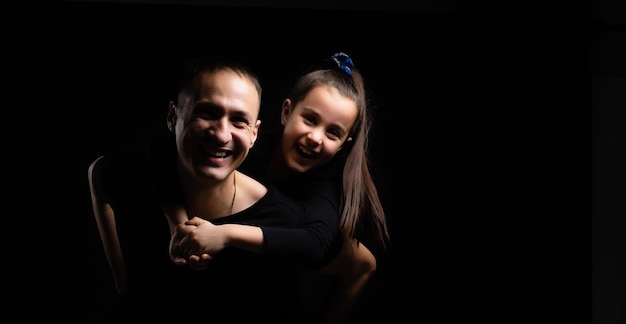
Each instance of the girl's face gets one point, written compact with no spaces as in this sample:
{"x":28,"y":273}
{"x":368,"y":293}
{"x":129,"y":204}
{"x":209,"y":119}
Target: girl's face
{"x":316,"y":128}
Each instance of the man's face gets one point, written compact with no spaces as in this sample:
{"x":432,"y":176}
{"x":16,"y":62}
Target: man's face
{"x":217,"y":127}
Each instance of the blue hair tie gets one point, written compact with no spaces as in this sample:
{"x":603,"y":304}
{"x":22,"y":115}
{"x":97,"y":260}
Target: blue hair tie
{"x":344,"y":62}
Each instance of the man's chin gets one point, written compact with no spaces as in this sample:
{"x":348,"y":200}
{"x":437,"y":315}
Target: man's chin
{"x":213,"y":174}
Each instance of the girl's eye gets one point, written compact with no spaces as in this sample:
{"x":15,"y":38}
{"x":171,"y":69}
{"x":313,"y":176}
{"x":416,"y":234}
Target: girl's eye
{"x":334,"y":133}
{"x":310,"y":119}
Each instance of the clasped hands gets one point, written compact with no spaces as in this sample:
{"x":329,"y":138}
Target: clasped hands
{"x":195,"y":242}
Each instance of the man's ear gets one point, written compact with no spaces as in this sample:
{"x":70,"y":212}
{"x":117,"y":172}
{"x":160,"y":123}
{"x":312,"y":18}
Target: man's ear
{"x":255,"y":132}
{"x":171,"y":117}
{"x":285,"y":111}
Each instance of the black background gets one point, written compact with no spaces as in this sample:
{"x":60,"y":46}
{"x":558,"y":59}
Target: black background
{"x":477,"y":146}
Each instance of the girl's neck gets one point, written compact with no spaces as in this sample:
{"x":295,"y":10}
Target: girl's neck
{"x":277,"y":169}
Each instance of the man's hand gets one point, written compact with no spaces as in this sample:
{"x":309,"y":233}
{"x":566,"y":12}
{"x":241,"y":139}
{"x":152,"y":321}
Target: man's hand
{"x":176,"y":254}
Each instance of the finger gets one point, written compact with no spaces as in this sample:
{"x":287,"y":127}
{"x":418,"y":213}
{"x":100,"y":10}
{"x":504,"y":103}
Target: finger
{"x":196,"y":221}
{"x":175,"y":255}
{"x":174,"y":251}
{"x":184,"y":247}
{"x":195,"y":263}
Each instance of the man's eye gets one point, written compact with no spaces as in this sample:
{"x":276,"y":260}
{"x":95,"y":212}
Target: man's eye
{"x":240,"y":122}
{"x":208,"y":111}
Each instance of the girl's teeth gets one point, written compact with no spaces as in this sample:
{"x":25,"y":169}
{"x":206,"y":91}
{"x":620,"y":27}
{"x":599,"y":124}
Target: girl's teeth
{"x":304,"y":150}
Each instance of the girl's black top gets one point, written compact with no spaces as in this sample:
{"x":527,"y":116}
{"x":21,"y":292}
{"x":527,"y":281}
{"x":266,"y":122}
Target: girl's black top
{"x":319,"y":240}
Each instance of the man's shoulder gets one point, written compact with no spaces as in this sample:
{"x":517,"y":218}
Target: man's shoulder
{"x":120,"y":173}
{"x":118,"y":162}
{"x":136,"y":158}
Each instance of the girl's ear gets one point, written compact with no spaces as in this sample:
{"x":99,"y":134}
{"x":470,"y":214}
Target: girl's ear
{"x":349,"y":139}
{"x":285,"y":111}
{"x":171,"y":117}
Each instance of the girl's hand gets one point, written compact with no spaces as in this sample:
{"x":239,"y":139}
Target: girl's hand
{"x":202,"y":242}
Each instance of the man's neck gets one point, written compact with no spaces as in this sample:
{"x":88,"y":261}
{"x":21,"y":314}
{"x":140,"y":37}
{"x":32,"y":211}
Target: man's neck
{"x":210,"y":200}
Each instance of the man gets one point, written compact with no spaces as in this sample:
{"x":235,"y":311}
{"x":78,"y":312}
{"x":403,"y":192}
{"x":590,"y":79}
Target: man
{"x":214,"y":124}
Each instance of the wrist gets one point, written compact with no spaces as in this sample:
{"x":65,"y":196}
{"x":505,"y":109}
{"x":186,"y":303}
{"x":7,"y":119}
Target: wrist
{"x":228,"y":233}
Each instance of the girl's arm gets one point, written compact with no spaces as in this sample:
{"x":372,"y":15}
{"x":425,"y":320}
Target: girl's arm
{"x":309,"y":243}
{"x":209,"y":238}
{"x":195,"y":241}
{"x":353,"y":267}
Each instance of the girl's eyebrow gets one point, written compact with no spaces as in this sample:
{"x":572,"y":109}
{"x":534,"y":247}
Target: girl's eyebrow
{"x":317,"y":114}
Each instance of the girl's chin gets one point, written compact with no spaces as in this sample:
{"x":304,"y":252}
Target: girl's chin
{"x":298,"y":167}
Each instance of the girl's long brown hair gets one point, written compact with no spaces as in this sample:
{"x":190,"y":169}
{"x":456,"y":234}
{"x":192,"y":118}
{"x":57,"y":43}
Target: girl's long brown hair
{"x":362,"y":214}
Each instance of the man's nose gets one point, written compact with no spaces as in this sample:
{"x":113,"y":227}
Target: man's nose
{"x":220,"y":130}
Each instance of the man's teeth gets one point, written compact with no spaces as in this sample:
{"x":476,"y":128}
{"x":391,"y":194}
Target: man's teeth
{"x":219,"y":154}
{"x":216,"y":154}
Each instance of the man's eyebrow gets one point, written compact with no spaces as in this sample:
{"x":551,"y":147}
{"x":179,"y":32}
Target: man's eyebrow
{"x":243,"y":114}
{"x":204,"y":105}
